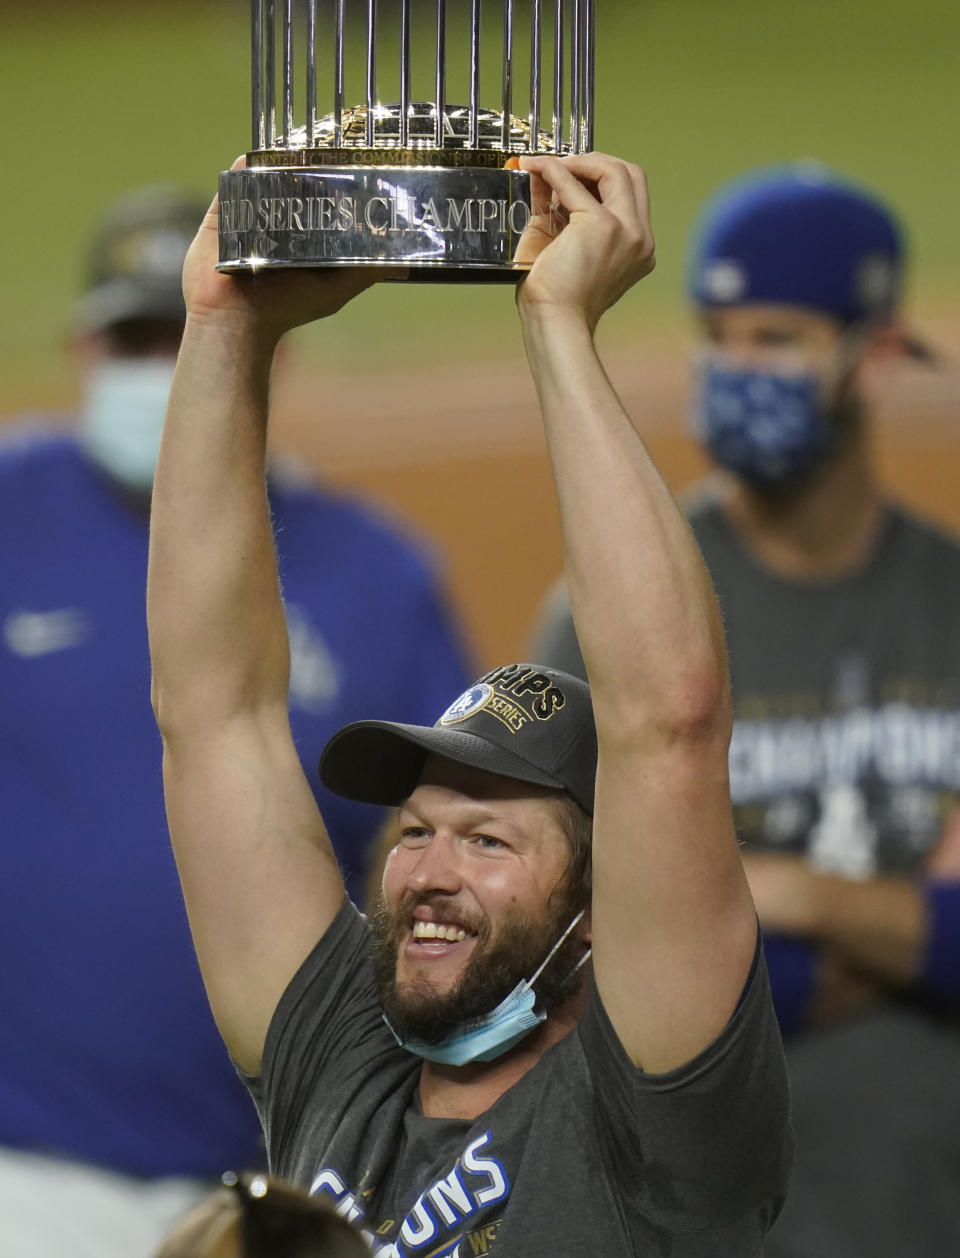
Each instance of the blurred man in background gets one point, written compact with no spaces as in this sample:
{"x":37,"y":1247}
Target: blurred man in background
{"x":841,"y":613}
{"x":116,"y":1096}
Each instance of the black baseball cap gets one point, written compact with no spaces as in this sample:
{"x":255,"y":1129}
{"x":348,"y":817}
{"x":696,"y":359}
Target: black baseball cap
{"x":136,"y":259}
{"x":522,"y":721}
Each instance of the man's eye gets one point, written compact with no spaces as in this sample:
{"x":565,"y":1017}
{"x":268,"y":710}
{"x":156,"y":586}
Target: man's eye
{"x":488,"y":843}
{"x":773,"y":337}
{"x":414,"y":834}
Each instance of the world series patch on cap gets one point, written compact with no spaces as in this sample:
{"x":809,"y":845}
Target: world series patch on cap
{"x":521,"y":721}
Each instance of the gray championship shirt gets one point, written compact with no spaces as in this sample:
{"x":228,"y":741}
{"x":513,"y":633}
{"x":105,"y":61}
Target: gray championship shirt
{"x":846,"y":695}
{"x":585,"y":1155}
{"x":846,"y":753}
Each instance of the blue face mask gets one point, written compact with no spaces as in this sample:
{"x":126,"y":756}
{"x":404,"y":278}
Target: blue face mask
{"x":769,"y":429}
{"x":497,"y":1031}
{"x":122,"y":417}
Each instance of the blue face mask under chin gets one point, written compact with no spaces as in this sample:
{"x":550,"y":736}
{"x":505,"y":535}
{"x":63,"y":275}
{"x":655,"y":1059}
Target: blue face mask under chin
{"x":486,"y":1038}
{"x":770,"y":429}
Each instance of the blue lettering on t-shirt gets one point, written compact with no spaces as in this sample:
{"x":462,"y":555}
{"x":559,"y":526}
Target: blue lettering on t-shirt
{"x":419,"y":1227}
{"x":449,"y":1202}
{"x":499,"y":1186}
{"x":330,"y":1182}
{"x":451,"y":1198}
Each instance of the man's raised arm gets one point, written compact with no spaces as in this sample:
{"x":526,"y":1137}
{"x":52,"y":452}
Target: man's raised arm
{"x":674,"y":929}
{"x":259,"y":876}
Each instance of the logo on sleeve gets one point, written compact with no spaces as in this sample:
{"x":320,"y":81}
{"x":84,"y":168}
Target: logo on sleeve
{"x":33,"y":634}
{"x":314,"y":673}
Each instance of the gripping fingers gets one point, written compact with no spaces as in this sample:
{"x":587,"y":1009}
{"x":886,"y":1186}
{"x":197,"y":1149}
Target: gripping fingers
{"x":609,"y":244}
{"x":638,"y":178}
{"x":621,"y":190}
{"x":618,"y":184}
{"x":555,"y":172}
{"x":211,"y":220}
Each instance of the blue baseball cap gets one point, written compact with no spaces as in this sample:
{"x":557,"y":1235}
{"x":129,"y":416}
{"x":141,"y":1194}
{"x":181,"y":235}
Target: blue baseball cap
{"x":799,"y":235}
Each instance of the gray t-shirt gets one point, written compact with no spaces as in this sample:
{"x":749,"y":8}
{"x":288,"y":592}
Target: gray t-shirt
{"x":846,"y":751}
{"x":846,"y":739}
{"x":585,"y":1155}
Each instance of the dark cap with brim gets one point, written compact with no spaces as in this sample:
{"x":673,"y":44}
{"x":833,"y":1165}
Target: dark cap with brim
{"x":136,"y":259}
{"x":523,"y":721}
{"x":122,"y":300}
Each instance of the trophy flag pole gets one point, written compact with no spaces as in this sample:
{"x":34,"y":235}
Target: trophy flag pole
{"x":287,"y":121}
{"x":256,"y":66}
{"x":271,"y":87}
{"x":371,"y":69}
{"x":536,"y":35}
{"x":405,"y":72}
{"x":507,"y":103}
{"x":441,"y":92}
{"x":475,"y":74}
{"x":589,"y":56}
{"x":576,"y":134}
{"x":311,"y":71}
{"x":558,"y":78}
{"x":338,"y":81}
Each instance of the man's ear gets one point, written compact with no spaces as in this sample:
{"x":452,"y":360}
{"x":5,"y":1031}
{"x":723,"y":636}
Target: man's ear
{"x":83,"y":352}
{"x":887,"y":341}
{"x":84,"y":349}
{"x":884,"y":347}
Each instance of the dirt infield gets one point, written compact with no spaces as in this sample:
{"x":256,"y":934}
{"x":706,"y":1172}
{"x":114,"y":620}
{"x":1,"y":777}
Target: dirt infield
{"x":462,"y":459}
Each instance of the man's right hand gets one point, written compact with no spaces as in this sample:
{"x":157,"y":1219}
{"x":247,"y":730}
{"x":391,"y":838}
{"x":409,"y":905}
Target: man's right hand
{"x":272,"y":301}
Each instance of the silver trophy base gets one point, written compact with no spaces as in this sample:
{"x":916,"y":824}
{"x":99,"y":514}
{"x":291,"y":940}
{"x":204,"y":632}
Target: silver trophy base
{"x":460,"y":224}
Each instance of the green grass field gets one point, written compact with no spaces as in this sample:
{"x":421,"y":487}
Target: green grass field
{"x":102,"y":96}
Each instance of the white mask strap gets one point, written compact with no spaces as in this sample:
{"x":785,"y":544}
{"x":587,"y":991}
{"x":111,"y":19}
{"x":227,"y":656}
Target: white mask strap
{"x":553,"y":950}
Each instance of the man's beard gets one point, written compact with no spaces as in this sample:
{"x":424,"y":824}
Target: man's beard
{"x":495,"y":967}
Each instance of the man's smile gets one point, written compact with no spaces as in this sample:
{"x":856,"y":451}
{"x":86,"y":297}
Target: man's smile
{"x":437,"y":930}
{"x":435,"y":934}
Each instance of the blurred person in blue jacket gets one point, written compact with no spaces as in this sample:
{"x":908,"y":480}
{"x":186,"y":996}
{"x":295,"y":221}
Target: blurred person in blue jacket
{"x":117,"y":1099}
{"x":841,"y":611}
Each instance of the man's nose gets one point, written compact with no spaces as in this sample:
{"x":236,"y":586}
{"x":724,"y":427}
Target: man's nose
{"x":437,"y":867}
{"x":742,"y":353}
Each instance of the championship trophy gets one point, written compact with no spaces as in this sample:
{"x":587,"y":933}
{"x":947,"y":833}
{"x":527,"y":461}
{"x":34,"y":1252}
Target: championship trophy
{"x":420,"y":184}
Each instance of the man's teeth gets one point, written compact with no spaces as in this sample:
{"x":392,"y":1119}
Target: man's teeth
{"x":436,"y":930}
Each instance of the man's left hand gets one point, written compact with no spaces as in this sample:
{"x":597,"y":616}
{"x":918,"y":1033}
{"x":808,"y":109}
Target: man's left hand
{"x":590,"y":237}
